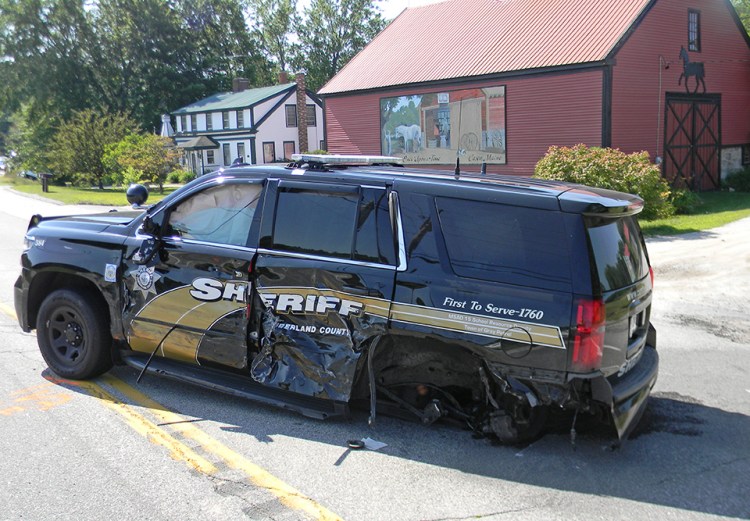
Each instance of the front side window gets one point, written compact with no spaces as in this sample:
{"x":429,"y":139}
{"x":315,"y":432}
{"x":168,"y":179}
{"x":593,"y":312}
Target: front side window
{"x":221,"y":215}
{"x":291,"y":115}
{"x":694,"y":30}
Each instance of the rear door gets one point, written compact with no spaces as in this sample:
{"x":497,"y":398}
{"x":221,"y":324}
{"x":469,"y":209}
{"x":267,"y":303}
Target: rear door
{"x":323,"y":280}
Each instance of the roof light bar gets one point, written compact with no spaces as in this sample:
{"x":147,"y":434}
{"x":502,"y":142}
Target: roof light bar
{"x":335,"y":159}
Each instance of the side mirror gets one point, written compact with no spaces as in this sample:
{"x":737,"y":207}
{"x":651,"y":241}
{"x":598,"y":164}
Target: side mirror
{"x":146,"y":251}
{"x":151,"y":227}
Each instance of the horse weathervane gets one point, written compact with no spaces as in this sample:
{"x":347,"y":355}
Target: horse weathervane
{"x":691,"y":69}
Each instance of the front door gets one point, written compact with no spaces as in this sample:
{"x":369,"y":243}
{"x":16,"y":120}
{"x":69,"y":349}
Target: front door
{"x":189,"y":303}
{"x":324,"y":279}
{"x":692,"y":141}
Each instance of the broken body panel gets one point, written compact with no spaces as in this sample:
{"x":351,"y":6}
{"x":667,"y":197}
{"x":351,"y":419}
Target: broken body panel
{"x":422,"y":295}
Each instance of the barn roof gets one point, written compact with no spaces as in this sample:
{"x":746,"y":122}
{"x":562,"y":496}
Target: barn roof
{"x":473,"y":38}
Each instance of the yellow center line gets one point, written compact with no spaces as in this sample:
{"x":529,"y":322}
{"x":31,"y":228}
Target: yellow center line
{"x":287,"y":494}
{"x":6,"y":309}
{"x":179,"y":451}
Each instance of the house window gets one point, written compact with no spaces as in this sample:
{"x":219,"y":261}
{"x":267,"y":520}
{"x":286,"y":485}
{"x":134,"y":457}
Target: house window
{"x":269,"y":151}
{"x":225,"y":120}
{"x":210,"y":159}
{"x":694,"y":30}
{"x":183,"y":123}
{"x":209,"y":122}
{"x":240,"y":119}
{"x":322,"y":145}
{"x":746,"y":154}
{"x":227,"y":154}
{"x":311,"y":122}
{"x":241,"y":151}
{"x":193,"y":122}
{"x":291,"y":115}
{"x":289,"y":149}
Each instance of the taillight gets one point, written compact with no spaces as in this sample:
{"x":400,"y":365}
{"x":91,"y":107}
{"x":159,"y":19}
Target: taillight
{"x":588,"y":340}
{"x":651,"y":274}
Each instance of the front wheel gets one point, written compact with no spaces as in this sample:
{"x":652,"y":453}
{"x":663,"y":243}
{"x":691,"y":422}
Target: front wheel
{"x":73,"y":335}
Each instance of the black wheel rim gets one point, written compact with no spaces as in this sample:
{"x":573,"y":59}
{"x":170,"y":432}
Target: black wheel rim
{"x":66,"y":336}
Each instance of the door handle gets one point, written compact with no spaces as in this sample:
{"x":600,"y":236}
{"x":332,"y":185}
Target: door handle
{"x":365,"y":292}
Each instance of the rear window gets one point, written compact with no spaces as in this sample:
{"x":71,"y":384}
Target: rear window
{"x":502,"y":243}
{"x":619,"y":252}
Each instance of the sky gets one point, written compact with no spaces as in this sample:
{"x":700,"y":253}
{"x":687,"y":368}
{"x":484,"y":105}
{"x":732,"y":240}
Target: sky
{"x":392,"y":8}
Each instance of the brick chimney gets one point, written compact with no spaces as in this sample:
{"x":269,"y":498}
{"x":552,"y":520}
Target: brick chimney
{"x":302,"y":113}
{"x":240,"y":84}
{"x":283,"y":78}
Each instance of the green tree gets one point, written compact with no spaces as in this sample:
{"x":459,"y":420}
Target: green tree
{"x":274,"y":25}
{"x":79,"y":146}
{"x":152,"y":157}
{"x":333,"y":32}
{"x":31,"y":132}
{"x":743,"y":11}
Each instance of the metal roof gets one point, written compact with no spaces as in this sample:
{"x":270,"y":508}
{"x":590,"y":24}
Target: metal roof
{"x":235,"y":100}
{"x":470,"y":38}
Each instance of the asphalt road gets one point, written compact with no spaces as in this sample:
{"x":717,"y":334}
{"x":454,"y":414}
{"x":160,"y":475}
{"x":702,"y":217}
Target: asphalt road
{"x":116,"y":449}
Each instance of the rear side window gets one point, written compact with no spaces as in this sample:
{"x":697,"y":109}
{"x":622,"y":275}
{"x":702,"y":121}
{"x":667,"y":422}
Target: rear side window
{"x":345,"y":224}
{"x":315,"y":222}
{"x":510,"y":244}
{"x":619,"y":252}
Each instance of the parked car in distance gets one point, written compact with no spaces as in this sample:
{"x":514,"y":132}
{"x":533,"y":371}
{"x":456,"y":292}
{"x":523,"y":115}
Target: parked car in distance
{"x":28,"y":174}
{"x":342,"y":281}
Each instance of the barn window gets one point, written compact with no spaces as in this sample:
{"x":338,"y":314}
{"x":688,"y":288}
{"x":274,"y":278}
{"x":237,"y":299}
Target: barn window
{"x":694,"y":30}
{"x":746,"y":154}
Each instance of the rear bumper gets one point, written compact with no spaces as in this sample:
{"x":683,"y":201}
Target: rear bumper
{"x":630,"y":392}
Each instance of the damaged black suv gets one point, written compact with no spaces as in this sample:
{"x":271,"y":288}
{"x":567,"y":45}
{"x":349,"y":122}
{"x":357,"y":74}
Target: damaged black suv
{"x":329,"y":283}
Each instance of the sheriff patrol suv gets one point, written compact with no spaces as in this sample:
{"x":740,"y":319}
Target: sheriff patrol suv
{"x":340,"y":280}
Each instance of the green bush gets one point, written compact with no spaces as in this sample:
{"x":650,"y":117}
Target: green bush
{"x":185,"y":176}
{"x":611,"y":169}
{"x":684,"y":201}
{"x":739,"y":180}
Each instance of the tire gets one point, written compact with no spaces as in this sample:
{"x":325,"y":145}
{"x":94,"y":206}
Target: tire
{"x":73,"y":335}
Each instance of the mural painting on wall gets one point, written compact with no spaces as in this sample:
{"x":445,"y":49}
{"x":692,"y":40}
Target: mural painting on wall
{"x":436,"y":128}
{"x":691,"y":69}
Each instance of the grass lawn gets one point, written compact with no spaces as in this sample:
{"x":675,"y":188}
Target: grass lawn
{"x":77,"y":195}
{"x":718,"y":208}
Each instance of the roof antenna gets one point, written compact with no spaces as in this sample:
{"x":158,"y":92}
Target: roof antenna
{"x":483,"y":171}
{"x":458,"y":168}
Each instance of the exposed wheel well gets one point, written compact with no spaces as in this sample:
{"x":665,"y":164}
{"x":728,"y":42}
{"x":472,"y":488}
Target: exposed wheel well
{"x":401,"y":361}
{"x":47,"y":282}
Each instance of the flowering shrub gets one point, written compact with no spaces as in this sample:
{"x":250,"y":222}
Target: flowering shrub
{"x":612,"y":169}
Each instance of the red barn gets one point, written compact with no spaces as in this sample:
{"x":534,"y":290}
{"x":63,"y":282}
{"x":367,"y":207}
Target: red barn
{"x":499,"y":81}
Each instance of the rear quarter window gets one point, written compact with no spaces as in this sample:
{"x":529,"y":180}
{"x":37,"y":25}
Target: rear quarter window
{"x":509,"y":244}
{"x":619,"y":251}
